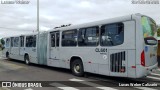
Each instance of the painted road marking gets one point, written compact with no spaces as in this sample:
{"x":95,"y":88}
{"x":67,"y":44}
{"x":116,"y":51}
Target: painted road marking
{"x":106,"y":88}
{"x":155,"y":74}
{"x":145,"y":88}
{"x":76,"y":80}
{"x":153,"y":77}
{"x":92,"y":84}
{"x":158,"y":69}
{"x":63,"y":87}
{"x":67,"y":88}
{"x":28,"y":89}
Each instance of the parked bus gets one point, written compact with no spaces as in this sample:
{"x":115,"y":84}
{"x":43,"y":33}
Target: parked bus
{"x":124,"y":47}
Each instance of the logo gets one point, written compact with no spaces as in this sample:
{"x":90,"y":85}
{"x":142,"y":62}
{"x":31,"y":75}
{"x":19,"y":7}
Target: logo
{"x":101,"y":50}
{"x":146,"y":48}
{"x":6,"y":84}
{"x":104,"y":56}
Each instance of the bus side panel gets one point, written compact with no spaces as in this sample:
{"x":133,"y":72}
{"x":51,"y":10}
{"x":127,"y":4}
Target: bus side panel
{"x":15,"y":53}
{"x":130,"y":36}
{"x":89,"y":57}
{"x":131,"y":63}
{"x":140,"y":72}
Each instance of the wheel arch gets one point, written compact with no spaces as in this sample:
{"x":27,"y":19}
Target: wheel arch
{"x":7,"y":53}
{"x":25,"y":54}
{"x":73,"y":58}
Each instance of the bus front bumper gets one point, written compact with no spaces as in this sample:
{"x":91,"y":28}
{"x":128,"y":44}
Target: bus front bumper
{"x":144,"y":71}
{"x":151,"y":68}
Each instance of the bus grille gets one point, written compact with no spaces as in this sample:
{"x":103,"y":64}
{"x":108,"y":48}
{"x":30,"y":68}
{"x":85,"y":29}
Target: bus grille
{"x":116,"y":62}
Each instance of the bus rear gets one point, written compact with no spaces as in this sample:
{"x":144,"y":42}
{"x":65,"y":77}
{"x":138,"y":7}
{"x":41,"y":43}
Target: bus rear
{"x":148,"y":57}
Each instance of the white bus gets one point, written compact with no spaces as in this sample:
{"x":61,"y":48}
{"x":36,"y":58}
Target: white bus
{"x":19,"y":47}
{"x":123,"y":47}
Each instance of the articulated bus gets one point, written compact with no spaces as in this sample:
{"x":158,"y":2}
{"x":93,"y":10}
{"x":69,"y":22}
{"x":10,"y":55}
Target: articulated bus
{"x":123,"y":47}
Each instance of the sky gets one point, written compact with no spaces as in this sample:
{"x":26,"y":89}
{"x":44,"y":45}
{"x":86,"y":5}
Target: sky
{"x":22,"y":18}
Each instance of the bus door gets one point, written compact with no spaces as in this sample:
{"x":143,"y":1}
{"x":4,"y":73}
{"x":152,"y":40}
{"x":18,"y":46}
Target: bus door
{"x":31,"y":48}
{"x":21,"y":48}
{"x":54,"y":46}
{"x":15,"y":47}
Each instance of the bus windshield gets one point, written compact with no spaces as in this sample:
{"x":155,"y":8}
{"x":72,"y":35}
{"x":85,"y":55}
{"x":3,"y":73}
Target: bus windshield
{"x":149,"y":30}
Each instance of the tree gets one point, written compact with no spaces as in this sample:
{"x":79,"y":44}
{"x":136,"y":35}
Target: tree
{"x":2,"y":42}
{"x":158,"y":32}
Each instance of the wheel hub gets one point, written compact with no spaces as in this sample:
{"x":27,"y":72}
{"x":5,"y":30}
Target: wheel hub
{"x":77,"y":68}
{"x":27,"y":61}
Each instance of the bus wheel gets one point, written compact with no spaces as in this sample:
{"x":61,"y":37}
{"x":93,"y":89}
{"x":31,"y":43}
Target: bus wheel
{"x":77,"y":68}
{"x":7,"y":55}
{"x":26,"y":59}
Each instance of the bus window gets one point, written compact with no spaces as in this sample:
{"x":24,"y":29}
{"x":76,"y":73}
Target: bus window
{"x":16,"y":41}
{"x":12,"y":41}
{"x":112,"y":34}
{"x":7,"y":42}
{"x":21,"y":41}
{"x":149,"y":31}
{"x":69,"y":38}
{"x":88,"y":36}
{"x":57,"y":39}
{"x":52,"y":40}
{"x":34,"y":41}
{"x":31,"y":41}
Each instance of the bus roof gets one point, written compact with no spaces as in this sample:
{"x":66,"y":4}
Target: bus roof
{"x":90,"y":24}
{"x":22,"y":35}
{"x":95,"y":23}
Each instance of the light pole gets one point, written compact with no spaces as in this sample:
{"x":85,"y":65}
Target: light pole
{"x":38,"y":41}
{"x":38,"y":16}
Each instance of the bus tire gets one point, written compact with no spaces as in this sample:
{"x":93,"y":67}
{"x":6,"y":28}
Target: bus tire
{"x":7,"y":55}
{"x":77,"y":68}
{"x":26,"y":59}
